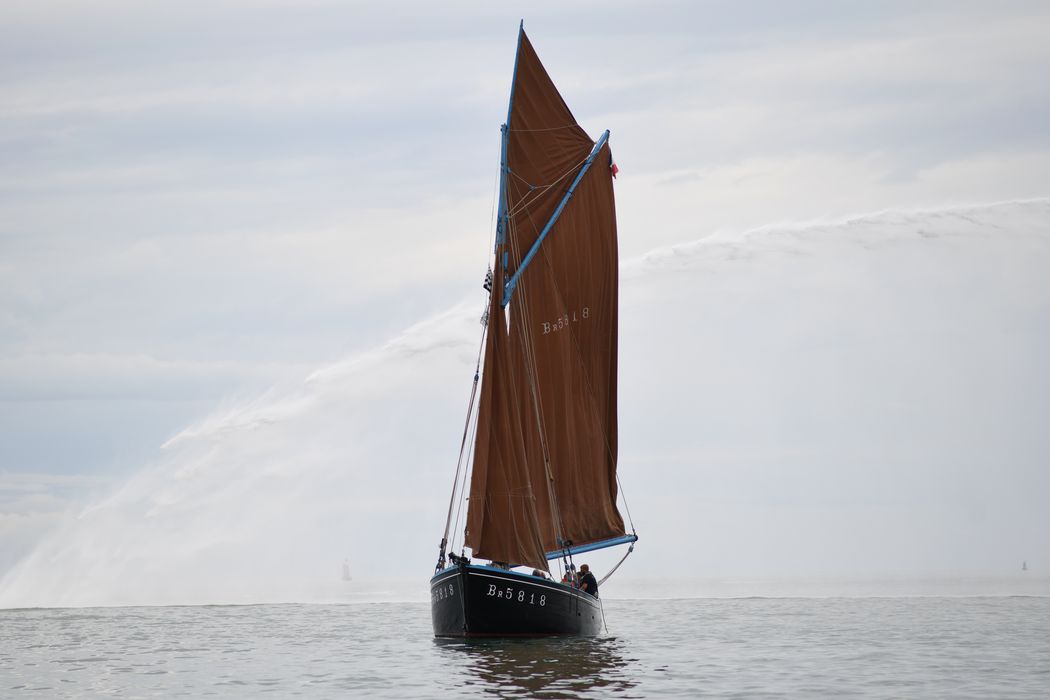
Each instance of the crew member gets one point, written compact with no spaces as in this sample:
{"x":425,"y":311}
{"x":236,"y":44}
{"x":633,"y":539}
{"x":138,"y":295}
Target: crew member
{"x":587,"y":581}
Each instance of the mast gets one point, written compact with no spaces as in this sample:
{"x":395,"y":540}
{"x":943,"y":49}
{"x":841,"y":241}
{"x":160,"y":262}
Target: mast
{"x":501,"y":218}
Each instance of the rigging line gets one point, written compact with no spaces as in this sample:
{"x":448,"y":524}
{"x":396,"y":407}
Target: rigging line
{"x":495,"y":195}
{"x":531,"y":163}
{"x":516,"y":399}
{"x":548,"y":475}
{"x":473,"y":432}
{"x":474,"y":424}
{"x":466,"y":428}
{"x":459,"y":464}
{"x":613,"y":570}
{"x":530,"y":365}
{"x":549,"y":184}
{"x":552,"y":128}
{"x":463,"y":485}
{"x":623,"y":495}
{"x":601,"y":425}
{"x":523,"y":203}
{"x":484,"y":332}
{"x":515,"y":174}
{"x":527,"y":199}
{"x":563,"y":202}
{"x":592,"y":393}
{"x":534,"y":192}
{"x":529,"y":352}
{"x":532,"y":368}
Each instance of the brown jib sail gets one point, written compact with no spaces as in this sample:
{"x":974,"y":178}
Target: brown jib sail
{"x":544,"y":472}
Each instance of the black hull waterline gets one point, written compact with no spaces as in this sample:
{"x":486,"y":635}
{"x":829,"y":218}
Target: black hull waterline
{"x":481,"y":601}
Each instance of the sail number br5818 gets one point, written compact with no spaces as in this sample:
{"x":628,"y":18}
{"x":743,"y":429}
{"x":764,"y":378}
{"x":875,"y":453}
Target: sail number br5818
{"x":441,"y":592}
{"x":520,"y":595}
{"x":565,"y":320}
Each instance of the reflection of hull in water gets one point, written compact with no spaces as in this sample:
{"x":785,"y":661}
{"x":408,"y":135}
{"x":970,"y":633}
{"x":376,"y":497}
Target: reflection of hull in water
{"x":481,"y":601}
{"x":553,"y":667}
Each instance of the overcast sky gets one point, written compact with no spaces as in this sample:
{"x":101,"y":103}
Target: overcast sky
{"x":199,"y":200}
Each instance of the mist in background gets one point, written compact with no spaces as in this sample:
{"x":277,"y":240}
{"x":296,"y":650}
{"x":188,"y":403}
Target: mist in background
{"x":859,"y":399}
{"x":217,"y":221}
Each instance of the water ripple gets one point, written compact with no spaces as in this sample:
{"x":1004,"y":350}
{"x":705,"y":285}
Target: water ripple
{"x":760,"y":647}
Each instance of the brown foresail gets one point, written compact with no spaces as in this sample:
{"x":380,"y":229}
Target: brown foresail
{"x":544,"y":469}
{"x":502,"y":523}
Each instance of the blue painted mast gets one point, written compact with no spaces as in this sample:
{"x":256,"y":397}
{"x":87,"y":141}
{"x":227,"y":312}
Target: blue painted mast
{"x":502,"y":219}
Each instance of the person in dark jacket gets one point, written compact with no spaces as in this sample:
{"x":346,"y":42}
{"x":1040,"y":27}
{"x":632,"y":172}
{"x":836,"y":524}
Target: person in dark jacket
{"x":587,"y":581}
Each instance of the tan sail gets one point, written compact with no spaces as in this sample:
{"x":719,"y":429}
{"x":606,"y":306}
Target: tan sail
{"x":544,"y":471}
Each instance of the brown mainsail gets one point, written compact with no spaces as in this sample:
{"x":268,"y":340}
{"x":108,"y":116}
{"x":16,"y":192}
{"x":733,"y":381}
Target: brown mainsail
{"x":544,"y":471}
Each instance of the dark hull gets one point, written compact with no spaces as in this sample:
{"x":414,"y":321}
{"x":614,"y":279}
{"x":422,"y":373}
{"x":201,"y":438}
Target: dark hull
{"x":478,"y":601}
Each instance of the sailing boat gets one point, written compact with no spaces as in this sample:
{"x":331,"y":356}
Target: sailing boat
{"x":543,"y":429}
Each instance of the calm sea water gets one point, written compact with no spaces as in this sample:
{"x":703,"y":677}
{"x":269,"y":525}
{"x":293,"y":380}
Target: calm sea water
{"x":981,"y":647}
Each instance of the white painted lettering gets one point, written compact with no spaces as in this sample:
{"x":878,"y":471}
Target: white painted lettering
{"x":563,"y":321}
